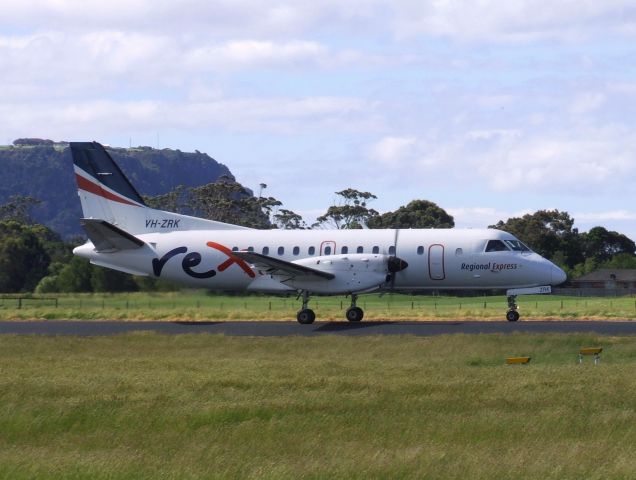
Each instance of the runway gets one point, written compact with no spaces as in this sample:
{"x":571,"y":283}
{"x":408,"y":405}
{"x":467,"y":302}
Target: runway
{"x":285,"y":329}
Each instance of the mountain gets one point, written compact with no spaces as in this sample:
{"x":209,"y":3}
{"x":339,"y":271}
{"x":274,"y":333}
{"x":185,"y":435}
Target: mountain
{"x":43,"y":169}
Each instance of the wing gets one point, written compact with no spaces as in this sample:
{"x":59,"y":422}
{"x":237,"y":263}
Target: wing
{"x":107,"y":237}
{"x":282,"y":268}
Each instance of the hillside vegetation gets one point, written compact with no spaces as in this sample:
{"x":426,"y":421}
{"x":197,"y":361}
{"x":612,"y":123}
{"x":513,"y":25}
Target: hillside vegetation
{"x":43,"y":170}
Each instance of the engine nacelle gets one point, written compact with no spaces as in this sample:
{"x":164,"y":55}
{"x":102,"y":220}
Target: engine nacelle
{"x":353,"y":273}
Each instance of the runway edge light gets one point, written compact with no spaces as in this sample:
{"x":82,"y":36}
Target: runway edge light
{"x":517,"y":360}
{"x":596,"y":351}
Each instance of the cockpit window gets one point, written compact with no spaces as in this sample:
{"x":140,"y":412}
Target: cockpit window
{"x":517,"y":246}
{"x":496,"y":246}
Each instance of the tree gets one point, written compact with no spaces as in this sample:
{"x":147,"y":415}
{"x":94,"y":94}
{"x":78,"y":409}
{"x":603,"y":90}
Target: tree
{"x":548,"y":232}
{"x":351,"y":213}
{"x":18,"y":208}
{"x":108,"y":280}
{"x":416,"y":214}
{"x":228,"y":201}
{"x":601,"y":244}
{"x":176,"y":200}
{"x":288,"y":220}
{"x":23,"y":258}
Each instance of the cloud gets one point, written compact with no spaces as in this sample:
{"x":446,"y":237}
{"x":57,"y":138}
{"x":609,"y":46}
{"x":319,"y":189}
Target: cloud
{"x":249,"y":115}
{"x":481,"y":217}
{"x":619,"y":215}
{"x":514,"y":20}
{"x":587,"y":102}
{"x":583,"y":160}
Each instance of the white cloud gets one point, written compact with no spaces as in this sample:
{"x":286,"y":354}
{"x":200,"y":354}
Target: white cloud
{"x":256,"y":115}
{"x":514,"y":20}
{"x":481,"y":217}
{"x":619,"y":215}
{"x":582,"y":160}
{"x":587,"y":102}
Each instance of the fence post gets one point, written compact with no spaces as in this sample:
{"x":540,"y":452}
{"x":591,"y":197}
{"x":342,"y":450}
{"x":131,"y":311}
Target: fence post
{"x":19,"y":303}
{"x":270,"y":305}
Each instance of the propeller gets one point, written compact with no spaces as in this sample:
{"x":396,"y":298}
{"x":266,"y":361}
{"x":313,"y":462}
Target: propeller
{"x":394,"y":263}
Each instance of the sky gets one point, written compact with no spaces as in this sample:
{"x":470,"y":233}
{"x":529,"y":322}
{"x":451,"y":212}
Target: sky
{"x":490,"y":109}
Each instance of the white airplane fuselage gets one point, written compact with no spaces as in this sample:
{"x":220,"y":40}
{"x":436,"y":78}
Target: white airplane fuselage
{"x":437,"y":259}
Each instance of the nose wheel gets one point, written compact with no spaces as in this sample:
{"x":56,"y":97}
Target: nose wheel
{"x":513,"y":314}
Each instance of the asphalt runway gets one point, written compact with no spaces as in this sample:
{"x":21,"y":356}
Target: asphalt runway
{"x":285,"y":329}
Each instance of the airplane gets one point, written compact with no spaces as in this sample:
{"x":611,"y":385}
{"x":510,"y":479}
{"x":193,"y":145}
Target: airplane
{"x":125,"y":234}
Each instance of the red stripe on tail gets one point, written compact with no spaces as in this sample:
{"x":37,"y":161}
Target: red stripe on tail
{"x":91,"y":187}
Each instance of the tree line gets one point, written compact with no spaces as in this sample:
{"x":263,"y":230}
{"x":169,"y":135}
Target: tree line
{"x":34,"y":258}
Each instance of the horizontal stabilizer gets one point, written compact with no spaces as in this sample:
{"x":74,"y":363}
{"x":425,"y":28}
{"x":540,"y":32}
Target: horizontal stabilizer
{"x":276,"y":267}
{"x":108,"y":238}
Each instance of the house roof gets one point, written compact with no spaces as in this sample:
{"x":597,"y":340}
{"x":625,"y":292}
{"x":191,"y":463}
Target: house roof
{"x":609,"y":274}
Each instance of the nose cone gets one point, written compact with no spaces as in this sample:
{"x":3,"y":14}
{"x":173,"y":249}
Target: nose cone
{"x":558,"y":276}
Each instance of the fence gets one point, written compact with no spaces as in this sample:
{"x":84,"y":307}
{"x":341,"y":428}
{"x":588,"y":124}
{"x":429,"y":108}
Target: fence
{"x":224,"y":306}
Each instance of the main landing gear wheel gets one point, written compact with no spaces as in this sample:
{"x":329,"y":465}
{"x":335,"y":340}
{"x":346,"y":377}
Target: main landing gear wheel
{"x":355,"y":314}
{"x":512,"y":316}
{"x":306,"y":316}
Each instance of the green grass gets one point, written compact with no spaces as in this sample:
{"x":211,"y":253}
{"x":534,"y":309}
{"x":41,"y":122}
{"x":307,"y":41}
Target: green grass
{"x":153,"y":406}
{"x":195,"y":305}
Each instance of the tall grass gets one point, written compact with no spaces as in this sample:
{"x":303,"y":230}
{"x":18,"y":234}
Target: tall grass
{"x":152,"y":406}
{"x":201,"y":306}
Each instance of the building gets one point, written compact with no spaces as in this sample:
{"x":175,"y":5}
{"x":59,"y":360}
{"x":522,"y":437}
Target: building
{"x":605,"y":281}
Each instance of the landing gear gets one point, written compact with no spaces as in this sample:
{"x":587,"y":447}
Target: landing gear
{"x":354,"y":313}
{"x":513,"y":314}
{"x":305,"y":315}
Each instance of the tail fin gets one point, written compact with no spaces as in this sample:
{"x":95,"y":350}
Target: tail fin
{"x":106,"y":194}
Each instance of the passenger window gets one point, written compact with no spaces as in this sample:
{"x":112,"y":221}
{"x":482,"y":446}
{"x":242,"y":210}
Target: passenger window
{"x":296,"y":250}
{"x":265,"y":250}
{"x":281,"y":250}
{"x":420,"y":250}
{"x":311,"y":250}
{"x":327,"y":250}
{"x":235,"y":249}
{"x":459,"y":251}
{"x":250,"y":249}
{"x":392,"y":250}
{"x":496,"y":246}
{"x":360,"y":250}
{"x":375,"y":249}
{"x":344,"y":250}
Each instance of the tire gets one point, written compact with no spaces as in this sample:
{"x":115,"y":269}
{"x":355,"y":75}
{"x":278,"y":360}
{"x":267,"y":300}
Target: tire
{"x":355,"y":314}
{"x":306,"y":316}
{"x":512,"y":316}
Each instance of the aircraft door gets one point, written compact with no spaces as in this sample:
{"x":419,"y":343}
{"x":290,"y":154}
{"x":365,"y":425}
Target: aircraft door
{"x":436,"y":269}
{"x":328,"y":247}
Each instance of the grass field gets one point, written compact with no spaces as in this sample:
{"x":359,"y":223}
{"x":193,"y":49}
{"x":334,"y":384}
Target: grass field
{"x":195,"y":305}
{"x":153,"y":406}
